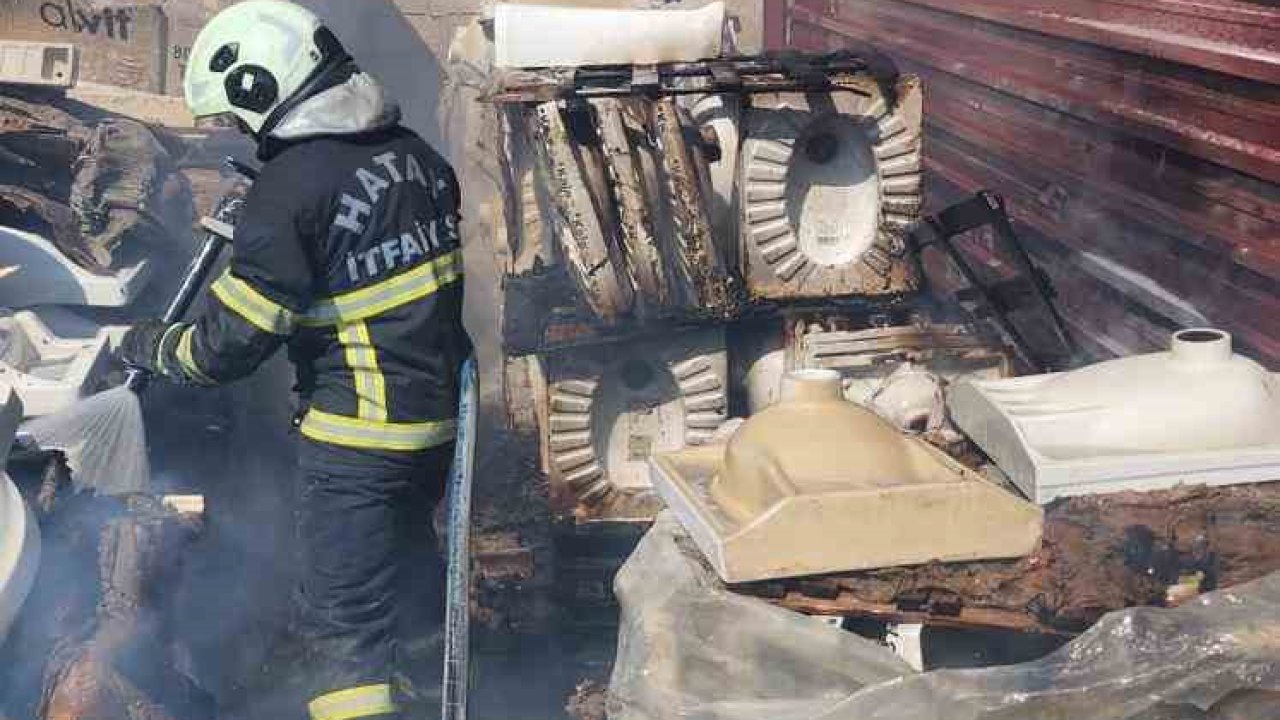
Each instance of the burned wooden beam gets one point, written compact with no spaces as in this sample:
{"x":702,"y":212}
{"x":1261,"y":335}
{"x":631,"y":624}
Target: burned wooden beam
{"x":1100,"y":553}
{"x":635,"y":221}
{"x":697,"y":261}
{"x":582,"y":230}
{"x":36,"y":213}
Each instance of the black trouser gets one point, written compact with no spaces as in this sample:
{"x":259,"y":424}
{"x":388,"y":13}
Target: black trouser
{"x":372,"y":580}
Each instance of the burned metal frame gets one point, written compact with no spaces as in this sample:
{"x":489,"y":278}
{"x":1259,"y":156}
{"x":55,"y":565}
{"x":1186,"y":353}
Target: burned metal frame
{"x":998,"y":300}
{"x":779,"y":72}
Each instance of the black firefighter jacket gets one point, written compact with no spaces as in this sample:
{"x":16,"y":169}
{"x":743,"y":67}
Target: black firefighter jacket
{"x":347,"y":250}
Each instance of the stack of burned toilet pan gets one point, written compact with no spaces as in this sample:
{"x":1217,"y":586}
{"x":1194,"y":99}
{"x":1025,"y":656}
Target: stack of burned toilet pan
{"x":650,"y":206}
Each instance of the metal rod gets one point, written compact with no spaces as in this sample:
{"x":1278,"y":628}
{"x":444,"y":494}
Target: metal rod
{"x":542,"y":93}
{"x":750,"y":75}
{"x":1005,"y":229}
{"x":137,"y":379}
{"x":1020,"y":344}
{"x":194,"y":279}
{"x":457,"y":626}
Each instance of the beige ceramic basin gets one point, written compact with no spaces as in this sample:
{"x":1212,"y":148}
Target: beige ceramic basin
{"x":817,"y":484}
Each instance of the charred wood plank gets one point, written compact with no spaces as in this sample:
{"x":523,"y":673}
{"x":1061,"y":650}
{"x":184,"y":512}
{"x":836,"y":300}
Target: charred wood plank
{"x":697,"y":260}
{"x":29,"y":210}
{"x":582,"y":232}
{"x":636,"y":226}
{"x":1100,"y":553}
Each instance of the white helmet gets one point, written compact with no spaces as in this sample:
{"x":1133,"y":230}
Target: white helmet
{"x":251,"y":59}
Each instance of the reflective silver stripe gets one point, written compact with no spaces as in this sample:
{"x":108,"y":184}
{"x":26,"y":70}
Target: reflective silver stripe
{"x":360,"y":702}
{"x":253,"y":306}
{"x":187,"y":360}
{"x":388,"y":295}
{"x":362,"y":359}
{"x":354,"y":432}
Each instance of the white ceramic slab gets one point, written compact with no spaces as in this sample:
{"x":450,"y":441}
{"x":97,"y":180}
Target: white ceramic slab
{"x":40,"y":275}
{"x":533,"y":36}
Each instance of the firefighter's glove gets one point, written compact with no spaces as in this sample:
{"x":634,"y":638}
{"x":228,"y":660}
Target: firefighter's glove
{"x":149,"y":345}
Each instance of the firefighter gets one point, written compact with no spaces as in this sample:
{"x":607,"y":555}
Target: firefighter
{"x":346,"y":251}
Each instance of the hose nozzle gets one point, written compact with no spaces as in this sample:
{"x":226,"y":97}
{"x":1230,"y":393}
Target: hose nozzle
{"x":137,"y":379}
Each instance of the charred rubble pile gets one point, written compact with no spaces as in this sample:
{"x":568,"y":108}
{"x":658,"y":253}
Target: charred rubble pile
{"x":672,"y":239}
{"x":96,"y":186}
{"x":95,"y":635}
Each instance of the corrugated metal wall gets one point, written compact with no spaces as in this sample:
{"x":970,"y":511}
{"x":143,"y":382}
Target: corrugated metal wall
{"x":1137,"y":141}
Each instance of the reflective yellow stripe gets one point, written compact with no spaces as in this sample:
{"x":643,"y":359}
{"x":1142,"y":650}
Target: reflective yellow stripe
{"x":388,"y":295}
{"x":253,"y":306}
{"x":354,"y":432}
{"x":362,"y":358}
{"x":188,"y":361}
{"x":360,"y":702}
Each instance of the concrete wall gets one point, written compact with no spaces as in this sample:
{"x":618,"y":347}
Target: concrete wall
{"x":119,"y":45}
{"x":402,"y":54}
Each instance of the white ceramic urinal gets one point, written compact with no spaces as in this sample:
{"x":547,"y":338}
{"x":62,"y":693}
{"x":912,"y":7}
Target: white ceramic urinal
{"x":1197,"y":413}
{"x":828,"y":186}
{"x":610,"y":410}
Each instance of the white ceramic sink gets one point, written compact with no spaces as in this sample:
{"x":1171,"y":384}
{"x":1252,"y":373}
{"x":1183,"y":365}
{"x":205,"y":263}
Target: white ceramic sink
{"x":817,"y":484}
{"x":550,"y":35}
{"x":1196,"y":414}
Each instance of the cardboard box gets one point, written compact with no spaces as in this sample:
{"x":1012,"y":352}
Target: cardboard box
{"x":118,"y":45}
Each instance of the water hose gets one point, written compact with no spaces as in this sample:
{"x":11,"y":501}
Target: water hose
{"x":457,"y":624}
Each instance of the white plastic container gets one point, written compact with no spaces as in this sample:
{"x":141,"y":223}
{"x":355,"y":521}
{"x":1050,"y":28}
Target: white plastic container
{"x":19,"y":536}
{"x":1196,"y":414}
{"x":532,"y":36}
